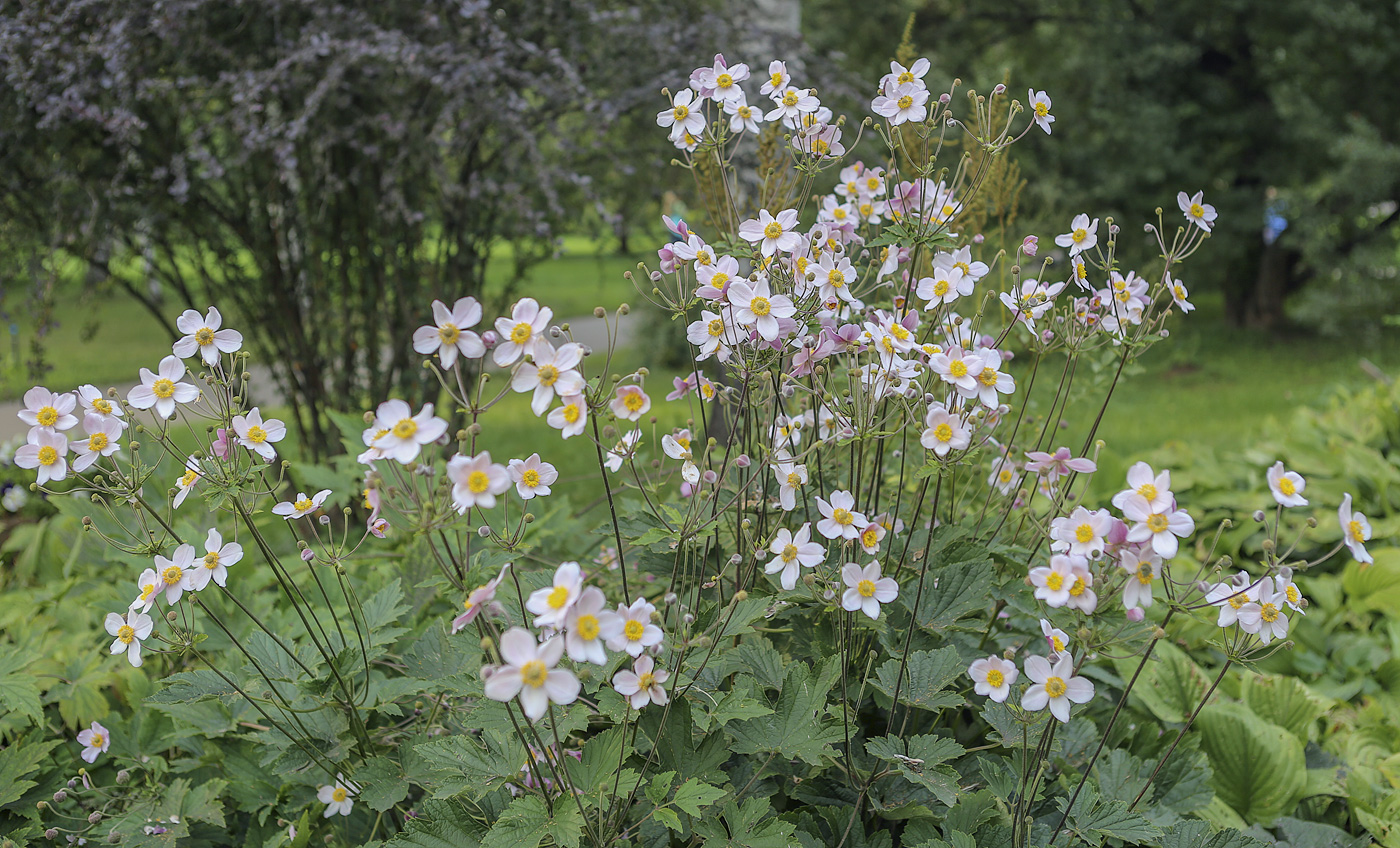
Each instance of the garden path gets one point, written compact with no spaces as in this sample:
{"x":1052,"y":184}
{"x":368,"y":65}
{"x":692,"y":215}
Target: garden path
{"x":586,"y":329}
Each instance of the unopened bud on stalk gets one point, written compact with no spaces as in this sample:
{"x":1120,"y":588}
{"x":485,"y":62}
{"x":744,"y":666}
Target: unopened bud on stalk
{"x":669,"y":598}
{"x":1158,"y":633}
{"x":51,"y":833}
{"x":72,"y":783}
{"x":41,"y":805}
{"x":624,"y":309}
{"x":483,"y":531}
{"x":1259,"y":515}
{"x":60,"y":796}
{"x":171,"y":616}
{"x":487,"y":645}
{"x":600,"y":312}
{"x":1267,"y":545}
{"x":1312,"y":522}
{"x":735,"y":559}
{"x":123,"y":776}
{"x":95,"y":817}
{"x":688,"y":619}
{"x":702,"y":642}
{"x":1136,"y":614}
{"x":742,"y":460}
{"x":529,"y":518}
{"x":740,"y":595}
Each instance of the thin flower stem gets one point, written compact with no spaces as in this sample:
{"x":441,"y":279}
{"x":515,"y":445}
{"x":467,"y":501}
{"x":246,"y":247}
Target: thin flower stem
{"x":1190,"y":721}
{"x":612,"y":507}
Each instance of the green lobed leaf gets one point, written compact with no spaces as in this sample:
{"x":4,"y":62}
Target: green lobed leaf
{"x":798,"y":727}
{"x":1095,"y":819}
{"x":191,"y":686}
{"x":18,"y":761}
{"x":382,"y":783}
{"x":1199,"y":834}
{"x":695,"y":794}
{"x":919,"y":762}
{"x":472,"y":766}
{"x":929,"y":675}
{"x":527,"y":822}
{"x":748,"y":825}
{"x":959,"y":581}
{"x":439,"y":824}
{"x":19,"y":693}
{"x":1259,"y":768}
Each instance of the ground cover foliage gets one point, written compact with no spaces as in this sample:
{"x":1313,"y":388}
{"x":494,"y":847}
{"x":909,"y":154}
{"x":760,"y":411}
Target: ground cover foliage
{"x":857,"y":600}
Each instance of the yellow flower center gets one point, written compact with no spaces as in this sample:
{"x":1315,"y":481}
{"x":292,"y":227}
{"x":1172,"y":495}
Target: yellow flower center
{"x":1004,"y":475}
{"x":188,"y":478}
{"x":719,"y":279}
{"x":48,"y":455}
{"x":1077,"y":587}
{"x":683,"y":441}
{"x":716,"y":327}
{"x":1144,"y":573}
{"x":646,"y":680}
{"x":841,"y":516}
{"x":775,"y":79}
{"x":1354,"y":529}
{"x":256,"y":434}
{"x":558,"y":597}
{"x":772,"y":230}
{"x":571,"y":413}
{"x":204,"y":336}
{"x":338,"y":794}
{"x":940,"y":287}
{"x":943,"y":432}
{"x":304,"y":505}
{"x":97,"y":741}
{"x":995,"y":678}
{"x":633,"y":401}
{"x":548,"y":375}
{"x":680,"y":112}
{"x":794,"y":480}
{"x":905,"y":102}
{"x":586,"y":628}
{"x":1286,"y":486}
{"x":1055,"y":581}
{"x":1157,"y":522}
{"x":1041,"y":110}
{"x":702,"y":257}
{"x":866,"y":588}
{"x":633,"y":629}
{"x":724,"y":81}
{"x":47,"y":417}
{"x":163,"y":388}
{"x":821,"y":147}
{"x":147,"y":591}
{"x":1148,"y":492}
{"x":449,"y":333}
{"x":405,"y":428}
{"x":1080,"y":234}
{"x":102,"y":406}
{"x":760,"y":306}
{"x":126,"y":633}
{"x":957,"y":368}
{"x":534,"y":673}
{"x":211,"y":560}
{"x":869,"y":538}
{"x":521,"y":333}
{"x":478,"y":482}
{"x":172,"y":574}
{"x":1197,"y":210}
{"x":745,"y":112}
{"x":1269,"y":613}
{"x":988,"y":377}
{"x":789,"y":553}
{"x":905,"y":77}
{"x":835,"y":278}
{"x":1238,"y":600}
{"x":1057,"y":643}
{"x":839,"y":213}
{"x":531,"y":477}
{"x":790,"y":99}
{"x":1055,"y":687}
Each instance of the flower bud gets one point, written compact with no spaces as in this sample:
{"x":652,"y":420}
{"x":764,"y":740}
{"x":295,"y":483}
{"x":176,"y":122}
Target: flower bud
{"x":1136,"y":614}
{"x":742,"y":460}
{"x":1259,"y":515}
{"x":1029,"y":245}
{"x":483,"y":531}
{"x":599,"y":312}
{"x":51,"y":833}
{"x":1267,"y":545}
{"x":709,"y":477}
{"x":95,"y":817}
{"x":60,"y":796}
{"x":740,"y":595}
{"x":307,"y":555}
{"x":123,"y":776}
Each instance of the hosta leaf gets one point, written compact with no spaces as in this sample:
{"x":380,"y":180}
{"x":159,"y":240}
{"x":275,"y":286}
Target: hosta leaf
{"x":1284,"y":701}
{"x":929,"y":674}
{"x":1170,"y":686}
{"x":1259,"y":767}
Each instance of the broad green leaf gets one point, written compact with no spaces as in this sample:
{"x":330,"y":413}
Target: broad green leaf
{"x":382,"y":610}
{"x":602,"y":755}
{"x":472,"y":766}
{"x":1170,"y":686}
{"x":928,"y":677}
{"x":202,"y":803}
{"x":1199,"y":834}
{"x":1374,"y":587}
{"x":191,"y":686}
{"x":382,"y":783}
{"x":1008,"y":728}
{"x":958,"y":582}
{"x":1285,"y":701}
{"x":919,"y":764}
{"x":527,"y":821}
{"x":1095,"y":819}
{"x":668,"y":817}
{"x":799,"y":726}
{"x":737,"y":704}
{"x":750,"y":825}
{"x":439,"y":824}
{"x":19,"y":693}
{"x":1306,"y":834}
{"x":18,"y":761}
{"x":1259,"y":767}
{"x":695,"y":794}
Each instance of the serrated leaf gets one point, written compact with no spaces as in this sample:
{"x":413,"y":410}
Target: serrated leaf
{"x":202,"y":803}
{"x":659,"y":787}
{"x":747,"y":825}
{"x":668,"y":817}
{"x":1199,"y":834}
{"x":18,"y":761}
{"x":799,"y":727}
{"x":192,"y":686}
{"x":1260,"y":771}
{"x":527,"y":821}
{"x":601,"y":756}
{"x":383,"y":609}
{"x":958,"y":582}
{"x":382,"y":783}
{"x":928,"y":676}
{"x":472,"y":766}
{"x":695,"y":794}
{"x":19,"y":693}
{"x":439,"y":824}
{"x":1096,"y":819}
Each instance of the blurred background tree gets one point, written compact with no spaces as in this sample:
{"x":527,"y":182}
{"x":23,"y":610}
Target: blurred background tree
{"x":321,"y":170}
{"x":1275,"y":109}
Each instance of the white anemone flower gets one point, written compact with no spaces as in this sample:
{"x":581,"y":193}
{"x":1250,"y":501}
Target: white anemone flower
{"x":630,"y":403}
{"x":304,"y":505}
{"x":176,"y":573}
{"x":1083,"y":235}
{"x":149,"y":585}
{"x":993,"y":677}
{"x":202,"y":335}
{"x":678,"y":446}
{"x":185,"y":484}
{"x":96,"y":403}
{"x":1286,"y":486}
{"x":104,"y":439}
{"x":551,"y":604}
{"x":643,"y":684}
{"x":46,"y":453}
{"x":583,"y":627}
{"x":49,"y":410}
{"x":1155,"y":489}
{"x":1040,"y":109}
{"x":839,"y":518}
{"x":866,"y":590}
{"x":258,"y":435}
{"x":631,"y":630}
{"x":793,"y":551}
{"x":791,"y":478}
{"x":549,"y":373}
{"x":1055,"y":686}
{"x":1356,"y":530}
{"x":218,"y":556}
{"x":532,"y":476}
{"x":527,"y":322}
{"x":753,"y":304}
{"x":1201,"y":214}
{"x":401,"y":435}
{"x":529,"y":671}
{"x":163,"y":389}
{"x":338,"y":797}
{"x":944,"y":431}
{"x":1162,"y":528}
{"x":1143,"y":570}
{"x":1083,"y":532}
{"x":1052,"y":582}
{"x":129,"y":632}
{"x":1265,"y":615}
{"x":476,"y":481}
{"x":772,"y":233}
{"x":570,"y":418}
{"x":448,"y":336}
{"x":95,"y":740}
